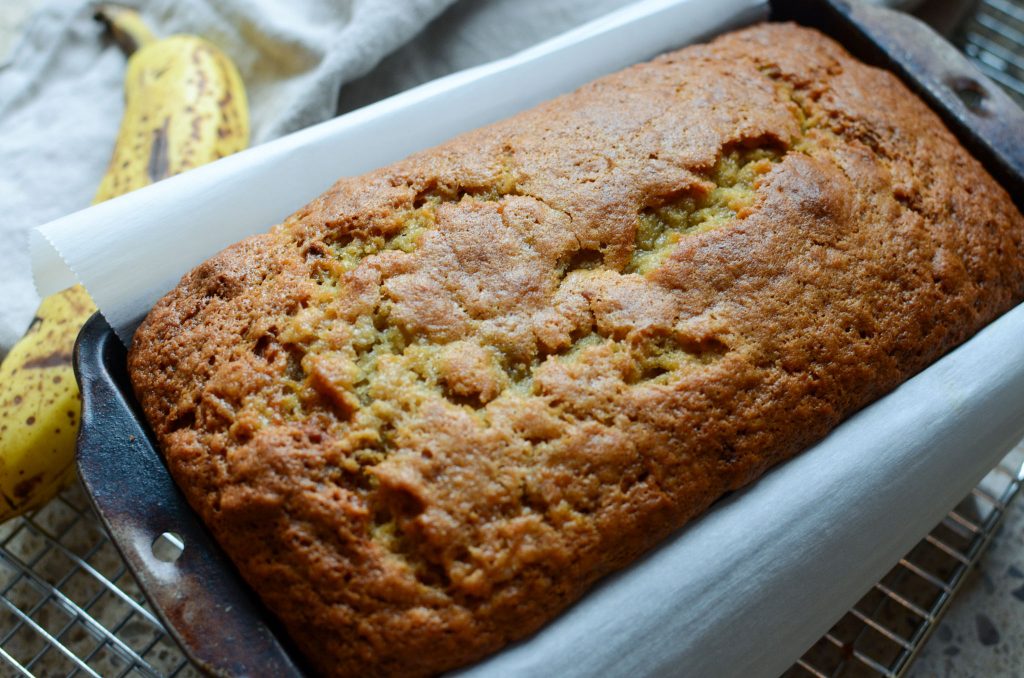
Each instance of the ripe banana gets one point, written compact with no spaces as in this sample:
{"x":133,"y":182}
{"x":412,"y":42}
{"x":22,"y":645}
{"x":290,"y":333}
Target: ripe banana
{"x":184,"y":106}
{"x":40,"y":404}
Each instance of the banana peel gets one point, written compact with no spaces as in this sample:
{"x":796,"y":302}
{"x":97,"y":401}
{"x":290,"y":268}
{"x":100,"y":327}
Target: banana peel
{"x":40,"y":404}
{"x":185,"y":105}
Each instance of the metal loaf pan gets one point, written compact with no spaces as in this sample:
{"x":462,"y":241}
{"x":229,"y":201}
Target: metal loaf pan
{"x":217,"y":620}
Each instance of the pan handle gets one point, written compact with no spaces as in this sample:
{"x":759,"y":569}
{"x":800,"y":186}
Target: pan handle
{"x":188,"y":580}
{"x":984,"y":117}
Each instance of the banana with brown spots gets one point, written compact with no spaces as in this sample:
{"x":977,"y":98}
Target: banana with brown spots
{"x":184,"y":106}
{"x":40,"y":405}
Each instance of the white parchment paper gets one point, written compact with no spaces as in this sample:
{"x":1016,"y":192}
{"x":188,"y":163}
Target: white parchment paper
{"x":743,"y":590}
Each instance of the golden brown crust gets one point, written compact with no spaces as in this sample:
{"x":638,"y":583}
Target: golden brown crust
{"x":429,"y":410}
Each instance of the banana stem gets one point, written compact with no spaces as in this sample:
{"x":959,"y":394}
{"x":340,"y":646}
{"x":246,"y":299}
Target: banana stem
{"x":126,"y":26}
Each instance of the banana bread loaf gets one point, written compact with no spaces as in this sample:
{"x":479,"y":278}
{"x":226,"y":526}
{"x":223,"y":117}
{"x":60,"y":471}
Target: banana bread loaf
{"x":429,"y":410}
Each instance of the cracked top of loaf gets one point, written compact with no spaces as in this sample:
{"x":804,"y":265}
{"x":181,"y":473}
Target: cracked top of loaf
{"x":425,"y":413}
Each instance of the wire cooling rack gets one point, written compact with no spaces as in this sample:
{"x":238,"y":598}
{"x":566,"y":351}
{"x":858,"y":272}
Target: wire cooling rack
{"x":69,"y":607}
{"x":884,"y":631}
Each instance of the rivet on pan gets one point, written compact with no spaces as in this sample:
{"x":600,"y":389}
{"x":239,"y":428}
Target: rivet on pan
{"x":168,"y":547}
{"x":971,"y":93}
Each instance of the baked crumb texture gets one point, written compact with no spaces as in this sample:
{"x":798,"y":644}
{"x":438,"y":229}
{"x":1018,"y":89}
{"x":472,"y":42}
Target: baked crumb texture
{"x":425,"y":413}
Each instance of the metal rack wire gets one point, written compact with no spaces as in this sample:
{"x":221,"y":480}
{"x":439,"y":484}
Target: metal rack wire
{"x":69,"y":607}
{"x":884,"y":631}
